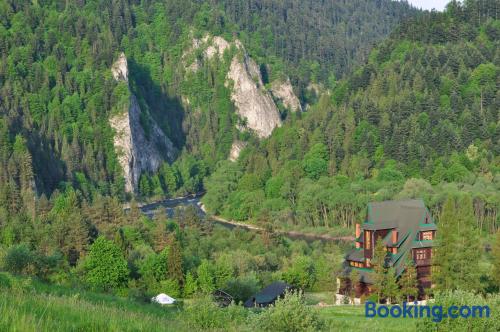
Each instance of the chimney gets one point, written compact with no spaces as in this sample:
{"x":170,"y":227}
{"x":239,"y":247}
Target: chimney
{"x":358,"y":233}
{"x":394,"y":235}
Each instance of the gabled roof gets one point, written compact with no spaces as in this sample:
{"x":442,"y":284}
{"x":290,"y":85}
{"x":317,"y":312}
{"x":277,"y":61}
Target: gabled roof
{"x":269,"y":294}
{"x":408,"y":217}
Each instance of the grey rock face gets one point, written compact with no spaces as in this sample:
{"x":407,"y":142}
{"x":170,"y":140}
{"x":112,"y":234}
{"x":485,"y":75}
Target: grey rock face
{"x":253,"y":103}
{"x":284,"y":92}
{"x":136,"y":151}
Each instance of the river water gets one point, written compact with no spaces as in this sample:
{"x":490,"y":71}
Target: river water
{"x":170,"y":205}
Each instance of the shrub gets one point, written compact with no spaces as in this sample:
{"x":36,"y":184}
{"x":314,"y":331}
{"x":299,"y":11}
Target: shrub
{"x":18,"y":259}
{"x":243,"y":287}
{"x":290,"y":314}
{"x":204,"y":314}
{"x":460,"y":298}
{"x":105,"y":266}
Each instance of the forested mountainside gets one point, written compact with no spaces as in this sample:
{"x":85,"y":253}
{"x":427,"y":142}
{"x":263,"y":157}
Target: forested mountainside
{"x":58,"y":93}
{"x":314,"y":41}
{"x":83,"y":83}
{"x":419,"y":119}
{"x":280,"y":111}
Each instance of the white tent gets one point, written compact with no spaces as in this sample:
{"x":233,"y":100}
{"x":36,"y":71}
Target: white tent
{"x":163,"y":299}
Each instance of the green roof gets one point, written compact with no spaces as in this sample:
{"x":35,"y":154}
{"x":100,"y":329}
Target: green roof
{"x":408,"y":217}
{"x":356,"y":255}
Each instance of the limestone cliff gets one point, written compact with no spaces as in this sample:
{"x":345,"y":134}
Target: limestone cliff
{"x":284,"y":92}
{"x":253,"y":102}
{"x":137,"y":152}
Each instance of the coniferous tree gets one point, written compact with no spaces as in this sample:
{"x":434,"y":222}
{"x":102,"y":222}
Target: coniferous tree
{"x":408,"y":282}
{"x":190,"y":286}
{"x":379,"y":268}
{"x":354,"y":278}
{"x":391,"y":289}
{"x":174,"y":260}
{"x":468,"y":246}
{"x":444,"y":255}
{"x":458,"y":242}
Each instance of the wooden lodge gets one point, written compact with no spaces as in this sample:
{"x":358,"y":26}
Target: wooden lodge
{"x":406,"y":228}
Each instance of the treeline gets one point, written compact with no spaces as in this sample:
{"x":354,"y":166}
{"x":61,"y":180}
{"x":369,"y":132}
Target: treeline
{"x":420,"y":119}
{"x":97,"y":245}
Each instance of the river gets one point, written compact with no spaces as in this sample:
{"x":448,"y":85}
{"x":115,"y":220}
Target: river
{"x":195,"y":200}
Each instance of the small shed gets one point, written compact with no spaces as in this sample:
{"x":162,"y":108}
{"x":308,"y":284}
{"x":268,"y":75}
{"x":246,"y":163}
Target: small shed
{"x":269,"y":295}
{"x":222,"y":298}
{"x":163,"y":299}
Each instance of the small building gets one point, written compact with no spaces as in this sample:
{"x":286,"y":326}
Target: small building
{"x":269,"y":295}
{"x":406,"y":228}
{"x":222,"y":298}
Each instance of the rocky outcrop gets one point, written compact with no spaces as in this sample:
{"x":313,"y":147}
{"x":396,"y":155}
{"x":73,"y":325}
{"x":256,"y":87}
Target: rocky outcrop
{"x":236,"y":150}
{"x":284,"y":92}
{"x":217,"y":46}
{"x":137,"y":152}
{"x":213,"y":46}
{"x":253,"y":103}
{"x":120,"y":68}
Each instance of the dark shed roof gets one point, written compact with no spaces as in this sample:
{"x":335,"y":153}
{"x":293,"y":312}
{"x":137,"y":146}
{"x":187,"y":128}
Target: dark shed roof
{"x":268,"y":295}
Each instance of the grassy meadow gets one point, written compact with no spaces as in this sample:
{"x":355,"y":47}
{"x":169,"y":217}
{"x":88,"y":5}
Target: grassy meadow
{"x":29,"y":305}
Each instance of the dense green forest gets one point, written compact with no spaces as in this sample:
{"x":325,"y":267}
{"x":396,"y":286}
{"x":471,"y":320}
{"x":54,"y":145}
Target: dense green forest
{"x":58,"y":93}
{"x":417,"y":115}
{"x":419,"y":119}
{"x":314,"y":41}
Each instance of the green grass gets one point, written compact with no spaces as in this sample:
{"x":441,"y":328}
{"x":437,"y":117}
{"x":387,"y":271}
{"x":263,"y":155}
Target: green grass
{"x":352,"y":318}
{"x":27,"y":305}
{"x":30,"y":305}
{"x":317,"y":297}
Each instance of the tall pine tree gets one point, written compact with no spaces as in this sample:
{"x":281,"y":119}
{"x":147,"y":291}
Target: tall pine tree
{"x":408,"y":282}
{"x":379,"y":268}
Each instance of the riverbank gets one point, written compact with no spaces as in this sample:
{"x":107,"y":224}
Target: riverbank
{"x":290,"y":234}
{"x":170,"y":204}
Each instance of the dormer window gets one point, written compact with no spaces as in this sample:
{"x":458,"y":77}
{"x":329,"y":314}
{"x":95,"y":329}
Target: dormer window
{"x":427,"y":235}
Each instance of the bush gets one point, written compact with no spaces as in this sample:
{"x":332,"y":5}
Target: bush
{"x":290,"y":314}
{"x":204,"y":314}
{"x":18,"y":259}
{"x":460,"y":298}
{"x":243,"y":287}
{"x":105,"y":266}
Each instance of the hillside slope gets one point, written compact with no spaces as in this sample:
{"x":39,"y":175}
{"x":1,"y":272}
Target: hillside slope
{"x":419,"y":119}
{"x":58,"y":93}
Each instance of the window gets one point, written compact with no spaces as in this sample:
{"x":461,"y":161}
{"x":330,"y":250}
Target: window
{"x":427,"y":235}
{"x":420,"y":254}
{"x":356,"y":264}
{"x":368,"y":240}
